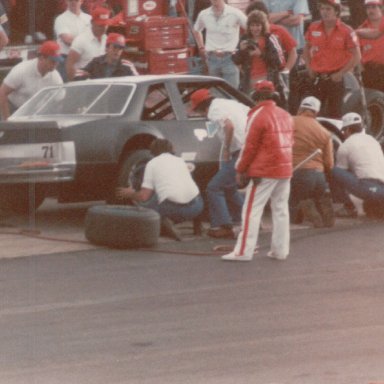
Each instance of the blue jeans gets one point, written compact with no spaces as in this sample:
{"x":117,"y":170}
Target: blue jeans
{"x":175,"y":211}
{"x":306,"y":184}
{"x":345,"y":182}
{"x":224,"y":67}
{"x":224,"y":200}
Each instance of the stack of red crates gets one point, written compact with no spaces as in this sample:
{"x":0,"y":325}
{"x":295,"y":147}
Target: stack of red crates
{"x":157,"y":44}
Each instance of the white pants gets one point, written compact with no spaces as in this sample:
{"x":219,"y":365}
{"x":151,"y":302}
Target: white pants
{"x":257,"y":196}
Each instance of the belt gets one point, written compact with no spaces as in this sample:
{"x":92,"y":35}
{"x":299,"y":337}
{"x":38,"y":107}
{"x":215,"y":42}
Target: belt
{"x":219,"y":53}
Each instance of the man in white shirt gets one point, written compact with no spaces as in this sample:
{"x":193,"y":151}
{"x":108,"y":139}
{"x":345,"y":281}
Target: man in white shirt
{"x":225,"y":202}
{"x":67,"y":26}
{"x":359,"y":167}
{"x":28,"y":77}
{"x":221,"y":23}
{"x":89,"y":44}
{"x":167,"y":187}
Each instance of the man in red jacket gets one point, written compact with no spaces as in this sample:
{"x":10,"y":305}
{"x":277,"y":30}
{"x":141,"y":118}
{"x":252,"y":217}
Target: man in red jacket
{"x":266,"y":159}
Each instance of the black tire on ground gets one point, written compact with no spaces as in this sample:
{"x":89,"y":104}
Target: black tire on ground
{"x":118,"y":226}
{"x":375,"y":109}
{"x":21,"y":198}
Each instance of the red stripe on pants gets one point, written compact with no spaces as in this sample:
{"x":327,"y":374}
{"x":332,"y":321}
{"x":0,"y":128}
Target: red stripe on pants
{"x":246,"y":219}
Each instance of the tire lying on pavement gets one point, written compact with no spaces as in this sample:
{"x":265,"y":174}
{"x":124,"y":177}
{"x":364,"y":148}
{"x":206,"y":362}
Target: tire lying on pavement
{"x":119,"y":226}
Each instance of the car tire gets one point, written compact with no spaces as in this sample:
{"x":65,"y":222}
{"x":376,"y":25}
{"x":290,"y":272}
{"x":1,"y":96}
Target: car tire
{"x":131,"y":173}
{"x":375,"y":109}
{"x":21,"y":199}
{"x":122,"y":227}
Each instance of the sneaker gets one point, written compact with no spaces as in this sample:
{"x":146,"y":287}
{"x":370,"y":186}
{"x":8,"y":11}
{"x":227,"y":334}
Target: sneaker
{"x":311,"y":213}
{"x":345,"y":212}
{"x":326,"y":210}
{"x":221,"y":233}
{"x":233,"y":257}
{"x":273,"y":255}
{"x":167,"y":229}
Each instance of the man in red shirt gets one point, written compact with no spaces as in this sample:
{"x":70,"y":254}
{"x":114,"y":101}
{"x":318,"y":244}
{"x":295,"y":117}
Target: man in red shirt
{"x":266,"y":159}
{"x":371,"y":35}
{"x":331,"y":50}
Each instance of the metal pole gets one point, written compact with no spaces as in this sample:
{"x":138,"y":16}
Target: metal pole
{"x":32,"y":17}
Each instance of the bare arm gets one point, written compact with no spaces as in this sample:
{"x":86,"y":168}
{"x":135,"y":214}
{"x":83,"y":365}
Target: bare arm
{"x":355,"y":59}
{"x":291,"y":59}
{"x":292,"y":20}
{"x":5,"y":90}
{"x":72,"y":59}
{"x":307,"y":60}
{"x":277,"y":17}
{"x":144,"y":194}
{"x":3,"y":40}
{"x":368,"y":33}
{"x":228,"y":135}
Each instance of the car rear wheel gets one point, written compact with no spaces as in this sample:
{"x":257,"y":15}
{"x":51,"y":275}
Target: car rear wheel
{"x":132,"y":168}
{"x":21,"y":199}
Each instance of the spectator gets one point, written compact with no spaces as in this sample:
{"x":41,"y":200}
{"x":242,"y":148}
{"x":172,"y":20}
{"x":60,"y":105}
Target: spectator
{"x":289,"y":45}
{"x":67,"y":26}
{"x":260,"y":54}
{"x":224,"y":200}
{"x":289,"y":14}
{"x":331,"y":50}
{"x":167,"y":187}
{"x":88,"y":44}
{"x":266,"y":159}
{"x":371,"y":36}
{"x":110,"y":64}
{"x":359,"y":168}
{"x":310,"y":194}
{"x":221,"y":23}
{"x":28,"y":77}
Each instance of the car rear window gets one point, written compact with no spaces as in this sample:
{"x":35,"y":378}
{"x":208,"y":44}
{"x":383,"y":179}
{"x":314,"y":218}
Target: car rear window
{"x":84,"y":99}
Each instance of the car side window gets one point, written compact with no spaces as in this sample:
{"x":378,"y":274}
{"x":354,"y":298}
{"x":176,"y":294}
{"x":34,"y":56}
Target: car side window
{"x":157,"y":104}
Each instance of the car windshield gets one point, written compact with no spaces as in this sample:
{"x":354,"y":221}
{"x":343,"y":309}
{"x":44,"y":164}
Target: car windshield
{"x":82,"y":99}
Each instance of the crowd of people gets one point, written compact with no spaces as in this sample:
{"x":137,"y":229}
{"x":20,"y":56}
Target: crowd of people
{"x":279,"y":158}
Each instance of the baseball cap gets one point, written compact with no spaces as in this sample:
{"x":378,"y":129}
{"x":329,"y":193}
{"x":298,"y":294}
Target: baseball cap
{"x":100,"y":16}
{"x":199,"y":96}
{"x":116,"y":39}
{"x":373,"y":2}
{"x":264,"y":86}
{"x":351,"y":118}
{"x":51,"y":50}
{"x":311,"y":103}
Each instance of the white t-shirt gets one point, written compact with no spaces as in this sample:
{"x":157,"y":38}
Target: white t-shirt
{"x":168,"y":176}
{"x":70,"y":23}
{"x":88,"y":47}
{"x":26,"y":80}
{"x":223,"y":109}
{"x":222,"y":33}
{"x":362,"y":155}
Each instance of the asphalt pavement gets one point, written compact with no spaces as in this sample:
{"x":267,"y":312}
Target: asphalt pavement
{"x":178,"y":314}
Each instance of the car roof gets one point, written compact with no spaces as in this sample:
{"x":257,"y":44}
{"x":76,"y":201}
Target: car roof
{"x":148,"y":79}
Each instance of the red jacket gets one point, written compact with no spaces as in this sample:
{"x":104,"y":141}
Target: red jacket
{"x":267,"y":151}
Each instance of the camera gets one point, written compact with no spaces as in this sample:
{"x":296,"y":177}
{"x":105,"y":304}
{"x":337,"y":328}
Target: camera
{"x":252,"y":45}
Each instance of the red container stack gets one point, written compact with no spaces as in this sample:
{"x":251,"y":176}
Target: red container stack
{"x":158,"y":44}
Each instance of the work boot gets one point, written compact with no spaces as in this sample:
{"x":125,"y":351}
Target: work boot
{"x":311,"y":213}
{"x":221,"y":233}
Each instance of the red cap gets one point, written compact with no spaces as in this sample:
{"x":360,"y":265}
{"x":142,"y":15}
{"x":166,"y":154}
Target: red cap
{"x":199,"y":96}
{"x":264,"y":86}
{"x":51,"y":50}
{"x":373,"y":2}
{"x":116,"y":39}
{"x":100,"y":16}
